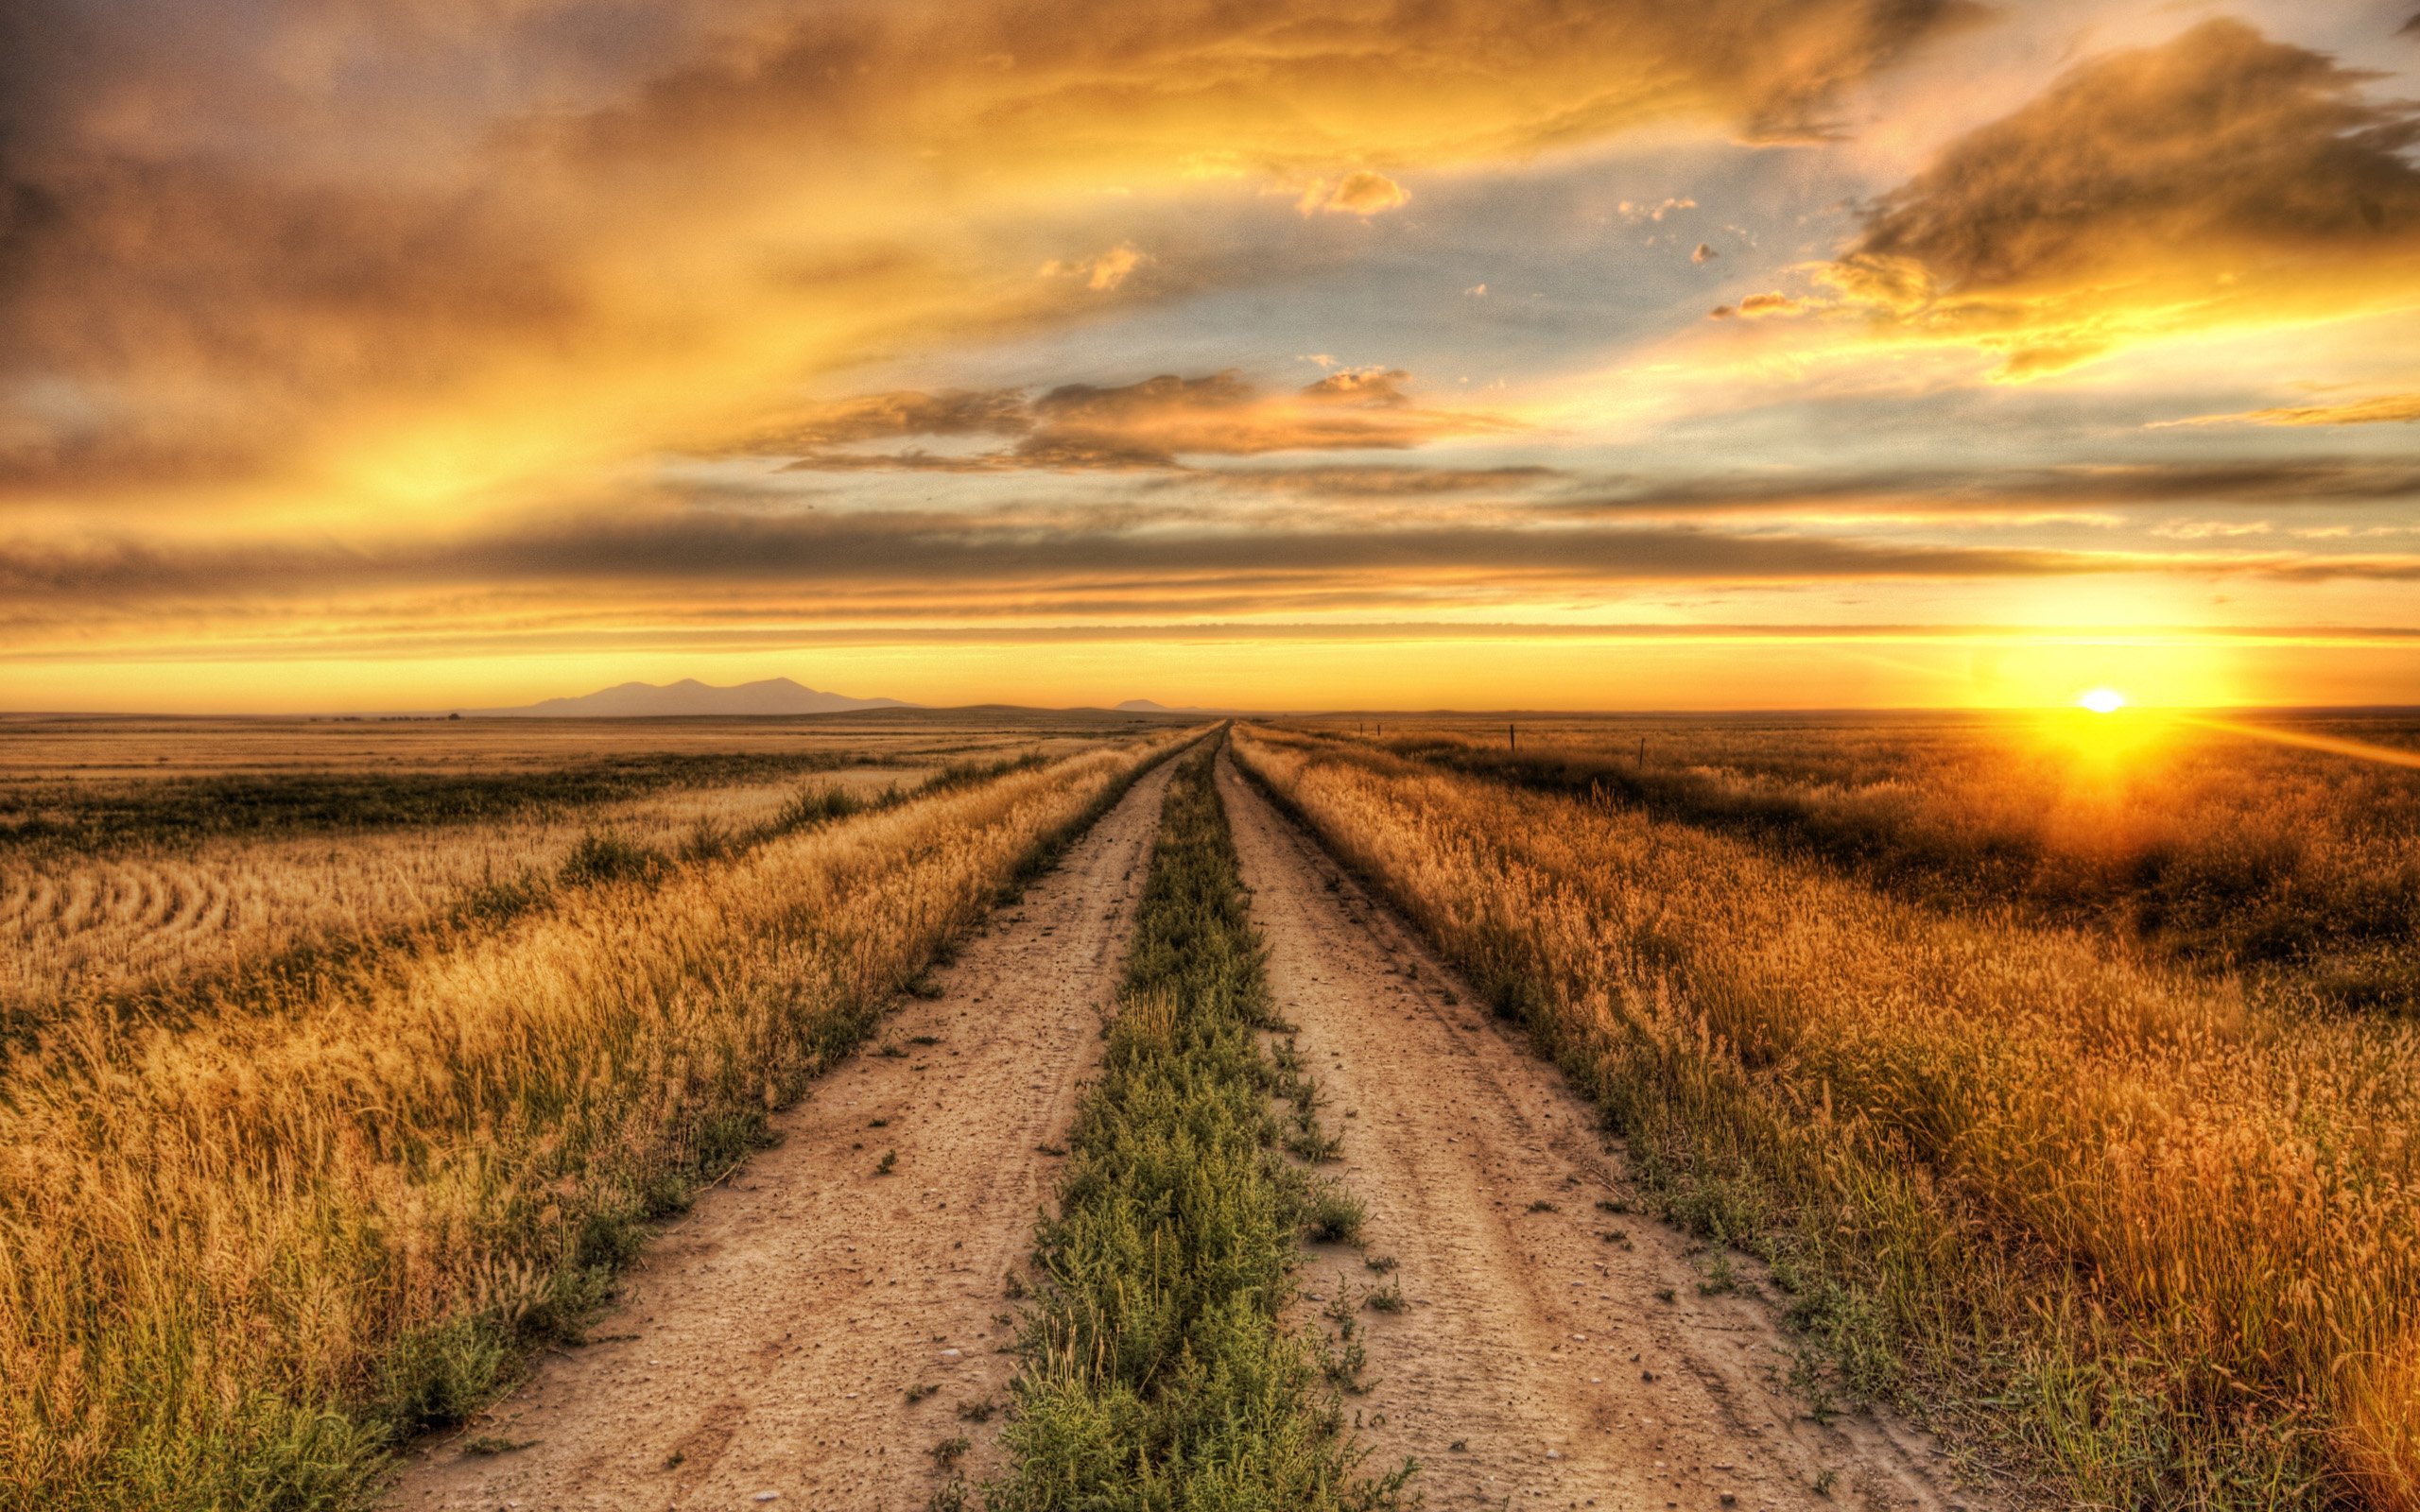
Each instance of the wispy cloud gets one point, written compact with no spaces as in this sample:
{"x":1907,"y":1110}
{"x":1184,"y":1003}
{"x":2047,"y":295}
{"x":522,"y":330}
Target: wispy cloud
{"x":1952,"y":492}
{"x":2385,"y":409}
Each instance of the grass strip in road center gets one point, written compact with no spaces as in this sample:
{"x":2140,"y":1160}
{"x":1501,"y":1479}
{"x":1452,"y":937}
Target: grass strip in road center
{"x":1161,"y":1371}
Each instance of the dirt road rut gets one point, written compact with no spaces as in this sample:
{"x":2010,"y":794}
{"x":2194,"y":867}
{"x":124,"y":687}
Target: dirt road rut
{"x":1539,"y":1362}
{"x":769,"y":1342}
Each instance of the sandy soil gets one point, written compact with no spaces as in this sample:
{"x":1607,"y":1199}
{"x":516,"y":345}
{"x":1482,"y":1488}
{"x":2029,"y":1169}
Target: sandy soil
{"x":1539,"y":1363}
{"x":766,"y":1346}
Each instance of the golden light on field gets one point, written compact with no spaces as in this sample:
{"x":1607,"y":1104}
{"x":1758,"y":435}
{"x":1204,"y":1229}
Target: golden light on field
{"x":2109,"y":744}
{"x":2360,"y":750}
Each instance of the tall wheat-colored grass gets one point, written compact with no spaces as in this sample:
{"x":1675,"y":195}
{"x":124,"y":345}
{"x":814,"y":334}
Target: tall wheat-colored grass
{"x":2174,"y":1243}
{"x":237,"y":1257}
{"x":2208,"y":844}
{"x":74,"y":925}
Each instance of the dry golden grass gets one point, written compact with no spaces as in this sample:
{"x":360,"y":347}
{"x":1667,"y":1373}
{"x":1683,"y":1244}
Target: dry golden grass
{"x":2174,"y":1240}
{"x":2380,"y":1441}
{"x":2205,"y":843}
{"x":238,"y":1255}
{"x":149,"y":859}
{"x":74,"y":925}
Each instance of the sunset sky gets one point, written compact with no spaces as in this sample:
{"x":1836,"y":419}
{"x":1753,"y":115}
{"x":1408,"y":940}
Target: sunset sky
{"x":402,"y":353}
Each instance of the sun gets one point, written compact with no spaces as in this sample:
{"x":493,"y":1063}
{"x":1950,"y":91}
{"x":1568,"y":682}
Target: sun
{"x":2102,"y":700}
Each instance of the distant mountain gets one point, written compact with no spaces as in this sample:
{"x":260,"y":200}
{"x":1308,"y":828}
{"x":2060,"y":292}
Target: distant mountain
{"x":643,"y":700}
{"x":1152,"y":706}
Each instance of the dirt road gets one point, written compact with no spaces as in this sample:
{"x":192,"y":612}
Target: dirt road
{"x":1539,"y":1362}
{"x":770,"y":1343}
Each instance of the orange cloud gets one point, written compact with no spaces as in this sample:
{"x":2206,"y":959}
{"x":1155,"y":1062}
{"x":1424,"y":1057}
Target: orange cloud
{"x":1363,"y":194}
{"x":1757,"y":305}
{"x":412,"y":253}
{"x":1102,"y":273}
{"x":2220,"y":178}
{"x":1151,"y":424}
{"x":2383,"y":410}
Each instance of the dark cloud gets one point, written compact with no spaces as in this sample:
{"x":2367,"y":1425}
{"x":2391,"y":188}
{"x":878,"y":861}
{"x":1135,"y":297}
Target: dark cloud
{"x":2296,"y":482}
{"x":944,"y":549}
{"x":945,"y":563}
{"x":221,"y":223}
{"x":2219,"y":142}
{"x":1153,"y":425}
{"x":1380,"y":481}
{"x":1088,"y":406}
{"x":266,"y":290}
{"x":1075,"y":450}
{"x":2219,"y":175}
{"x":905,"y":413}
{"x":2300,"y":482}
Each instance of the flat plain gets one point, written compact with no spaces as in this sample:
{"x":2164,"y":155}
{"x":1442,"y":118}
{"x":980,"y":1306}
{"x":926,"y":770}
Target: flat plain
{"x":934,"y":1110}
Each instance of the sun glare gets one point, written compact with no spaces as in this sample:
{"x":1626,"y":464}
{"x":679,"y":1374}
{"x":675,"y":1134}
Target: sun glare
{"x":2102,"y":700}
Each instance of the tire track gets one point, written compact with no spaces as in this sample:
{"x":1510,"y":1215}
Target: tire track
{"x":1538,"y":1363}
{"x":769,"y":1341}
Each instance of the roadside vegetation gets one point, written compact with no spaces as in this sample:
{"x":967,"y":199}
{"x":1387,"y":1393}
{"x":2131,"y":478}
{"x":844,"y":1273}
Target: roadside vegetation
{"x":2161,"y":1247}
{"x":242,"y":1255}
{"x":1164,"y":1369}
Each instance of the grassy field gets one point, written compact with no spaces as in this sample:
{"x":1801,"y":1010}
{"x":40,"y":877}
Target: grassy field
{"x":210,"y":921}
{"x":243,"y":1252}
{"x":2065,"y":1074}
{"x":2211,"y":845}
{"x":2155,"y":1243}
{"x":275,"y":850}
{"x":93,"y":749}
